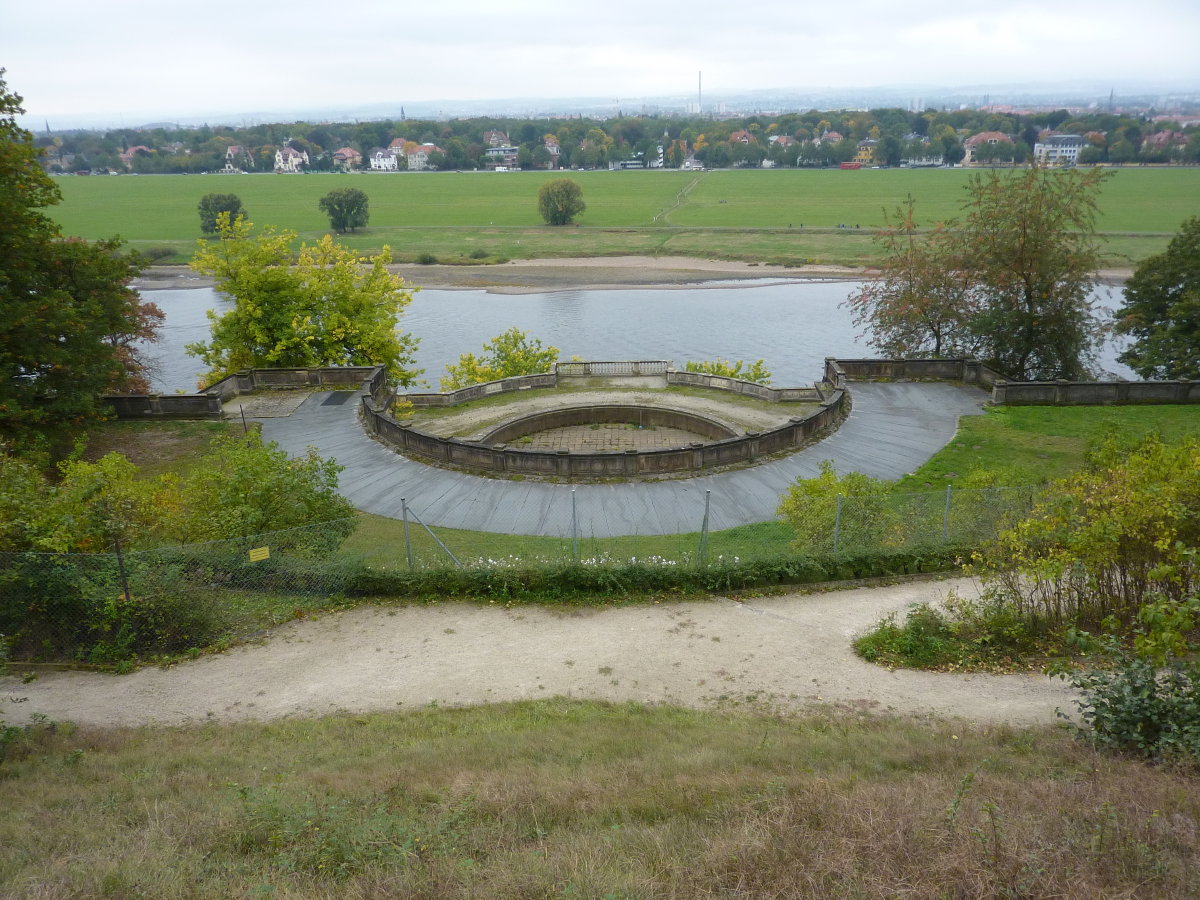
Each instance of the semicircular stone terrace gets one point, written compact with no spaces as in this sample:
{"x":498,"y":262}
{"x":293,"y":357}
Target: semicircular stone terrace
{"x":609,"y":426}
{"x":603,"y":420}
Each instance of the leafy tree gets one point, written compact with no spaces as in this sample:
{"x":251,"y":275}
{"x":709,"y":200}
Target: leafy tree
{"x":756,"y":372}
{"x":331,"y":308}
{"x":212,"y":204}
{"x":922,"y":302}
{"x":508,"y":354}
{"x":68,"y":312}
{"x":1010,"y":282}
{"x":560,"y":201}
{"x":1162,"y":310}
{"x":1028,"y":244}
{"x":347,"y":209}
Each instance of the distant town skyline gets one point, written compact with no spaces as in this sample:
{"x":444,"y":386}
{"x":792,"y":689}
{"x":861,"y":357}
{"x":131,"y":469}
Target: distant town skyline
{"x":141,"y":62}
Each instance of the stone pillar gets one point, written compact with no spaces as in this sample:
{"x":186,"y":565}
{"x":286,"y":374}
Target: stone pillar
{"x":562,"y":463}
{"x":630,"y":463}
{"x":999,"y":393}
{"x":697,"y":454}
{"x":752,"y":444}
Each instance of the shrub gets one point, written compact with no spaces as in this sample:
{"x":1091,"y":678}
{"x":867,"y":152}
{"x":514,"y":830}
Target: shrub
{"x":506,"y":355}
{"x":1101,"y":543}
{"x":426,"y":258}
{"x":1140,"y":707}
{"x":867,"y":518}
{"x":756,"y":371}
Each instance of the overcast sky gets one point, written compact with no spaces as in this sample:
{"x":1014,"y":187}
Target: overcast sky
{"x":150,"y":60}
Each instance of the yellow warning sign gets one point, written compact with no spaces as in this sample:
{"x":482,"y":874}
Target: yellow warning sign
{"x":258,"y":554}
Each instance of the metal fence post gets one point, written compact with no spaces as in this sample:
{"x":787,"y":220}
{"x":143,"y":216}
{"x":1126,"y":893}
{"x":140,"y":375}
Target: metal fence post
{"x":946,"y":517}
{"x":407,"y":538}
{"x":704,"y":530}
{"x":437,"y":540}
{"x":574,"y":529}
{"x":837,"y":523}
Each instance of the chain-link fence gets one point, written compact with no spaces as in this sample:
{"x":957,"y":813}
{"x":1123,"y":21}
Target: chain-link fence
{"x":108,"y":607}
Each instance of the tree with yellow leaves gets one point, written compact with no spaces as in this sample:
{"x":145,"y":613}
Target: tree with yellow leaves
{"x":330,"y":307}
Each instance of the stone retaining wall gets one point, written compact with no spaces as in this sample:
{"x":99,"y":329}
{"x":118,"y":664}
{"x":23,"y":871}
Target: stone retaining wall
{"x":207,"y":403}
{"x":507,"y":460}
{"x":633,"y":369}
{"x":1014,"y":393}
{"x":568,"y":416}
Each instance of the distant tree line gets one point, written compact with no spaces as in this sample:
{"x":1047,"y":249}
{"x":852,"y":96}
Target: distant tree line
{"x":813,"y":138}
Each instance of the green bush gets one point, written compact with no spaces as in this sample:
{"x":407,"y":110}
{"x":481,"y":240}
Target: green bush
{"x":924,"y":641}
{"x":426,"y":258}
{"x":1141,"y":707}
{"x":984,"y":633}
{"x":570,"y":581}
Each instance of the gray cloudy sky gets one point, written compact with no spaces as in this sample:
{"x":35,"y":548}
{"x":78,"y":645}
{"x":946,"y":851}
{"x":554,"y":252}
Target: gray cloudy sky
{"x":141,"y":60}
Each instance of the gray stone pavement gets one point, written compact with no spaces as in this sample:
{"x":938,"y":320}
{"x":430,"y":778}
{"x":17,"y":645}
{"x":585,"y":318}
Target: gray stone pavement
{"x":891,"y":430}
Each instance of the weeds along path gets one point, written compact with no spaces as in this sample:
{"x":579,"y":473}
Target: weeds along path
{"x":788,"y":652}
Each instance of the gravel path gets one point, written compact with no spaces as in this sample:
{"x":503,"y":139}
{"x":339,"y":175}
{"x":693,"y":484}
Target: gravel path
{"x":790,"y":651}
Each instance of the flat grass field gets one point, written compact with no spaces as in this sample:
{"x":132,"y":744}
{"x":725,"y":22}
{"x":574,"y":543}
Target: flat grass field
{"x":783,"y":216}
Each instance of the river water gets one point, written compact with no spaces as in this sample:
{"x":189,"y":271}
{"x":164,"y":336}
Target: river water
{"x":792,"y":326}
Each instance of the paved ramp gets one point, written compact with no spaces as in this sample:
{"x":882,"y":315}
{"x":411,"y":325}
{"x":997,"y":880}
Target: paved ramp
{"x":892,"y":429}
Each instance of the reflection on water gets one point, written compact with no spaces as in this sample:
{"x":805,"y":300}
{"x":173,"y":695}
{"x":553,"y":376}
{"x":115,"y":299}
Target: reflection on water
{"x":793,"y":326}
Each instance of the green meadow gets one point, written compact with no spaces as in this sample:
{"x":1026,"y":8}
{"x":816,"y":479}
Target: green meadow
{"x":777,"y":216}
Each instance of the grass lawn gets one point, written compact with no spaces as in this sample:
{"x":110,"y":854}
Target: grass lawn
{"x":578,"y":799}
{"x":450,"y":215}
{"x":1033,"y":444}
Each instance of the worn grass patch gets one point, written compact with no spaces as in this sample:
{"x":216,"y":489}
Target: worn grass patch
{"x":578,"y":799}
{"x":157,"y":448}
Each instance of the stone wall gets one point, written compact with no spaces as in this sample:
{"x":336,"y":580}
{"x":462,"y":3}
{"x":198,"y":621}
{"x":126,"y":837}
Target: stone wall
{"x":503,"y":459}
{"x":632,"y":369}
{"x":207,"y":404}
{"x":1013,"y":393}
{"x":1094,"y":393}
{"x":568,"y":416}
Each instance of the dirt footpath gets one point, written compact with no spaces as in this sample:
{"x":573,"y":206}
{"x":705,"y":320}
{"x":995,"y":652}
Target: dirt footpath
{"x":789,"y":651}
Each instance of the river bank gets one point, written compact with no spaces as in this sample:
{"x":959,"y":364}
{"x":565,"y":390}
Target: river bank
{"x":534,"y":276}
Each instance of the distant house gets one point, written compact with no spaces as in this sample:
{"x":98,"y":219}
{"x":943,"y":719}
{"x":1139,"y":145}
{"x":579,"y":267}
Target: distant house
{"x":829,"y":137}
{"x":741,"y":137}
{"x":290,"y":160}
{"x":864,"y":152}
{"x":237,"y":160}
{"x":1058,"y":149}
{"x":783,"y":140}
{"x":552,"y":146}
{"x":418,"y":155}
{"x":126,"y":156}
{"x":985,"y":138}
{"x":385,"y":160}
{"x":496,"y":139}
{"x":1164,"y":140}
{"x":502,"y":155}
{"x":347,"y":158}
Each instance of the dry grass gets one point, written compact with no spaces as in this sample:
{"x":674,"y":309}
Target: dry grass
{"x":563,"y":799}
